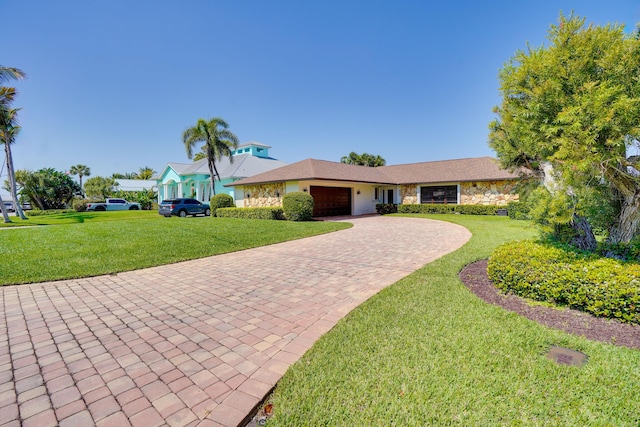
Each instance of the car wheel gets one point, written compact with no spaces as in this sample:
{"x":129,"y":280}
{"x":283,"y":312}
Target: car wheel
{"x":183,"y":214}
{"x":101,"y":208}
{"x":167,"y":216}
{"x":207,"y":212}
{"x":133,"y":208}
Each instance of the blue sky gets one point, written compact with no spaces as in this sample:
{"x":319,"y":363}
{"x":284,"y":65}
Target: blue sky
{"x":113,"y":84}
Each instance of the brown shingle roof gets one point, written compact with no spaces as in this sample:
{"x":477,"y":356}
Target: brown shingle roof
{"x":474,"y":169}
{"x":459,"y":170}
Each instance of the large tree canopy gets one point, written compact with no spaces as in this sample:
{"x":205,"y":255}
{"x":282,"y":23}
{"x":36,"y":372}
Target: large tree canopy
{"x":570,"y":113}
{"x":47,"y":188}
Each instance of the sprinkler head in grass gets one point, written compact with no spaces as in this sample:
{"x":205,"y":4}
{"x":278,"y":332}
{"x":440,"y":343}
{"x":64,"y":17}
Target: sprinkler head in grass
{"x":567,"y":356}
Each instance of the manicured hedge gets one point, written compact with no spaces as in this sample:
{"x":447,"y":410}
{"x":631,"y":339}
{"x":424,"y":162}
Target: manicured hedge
{"x":221,"y":200}
{"x":448,"y":209}
{"x":386,"y":208}
{"x":518,"y":210}
{"x":601,"y":286}
{"x":251,"y":213}
{"x":297,"y":206}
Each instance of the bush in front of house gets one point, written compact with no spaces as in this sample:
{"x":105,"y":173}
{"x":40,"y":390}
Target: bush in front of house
{"x":518,"y":210}
{"x":297,"y":206}
{"x":386,"y":208}
{"x":272,"y":212}
{"x":603,"y":287}
{"x":440,"y":208}
{"x":221,"y":200}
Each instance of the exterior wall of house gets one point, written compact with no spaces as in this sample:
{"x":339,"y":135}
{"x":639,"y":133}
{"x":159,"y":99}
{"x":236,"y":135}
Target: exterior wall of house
{"x":172,"y":185}
{"x":469,"y":193}
{"x":488,"y":193}
{"x":263,"y":195}
{"x":409,"y":194}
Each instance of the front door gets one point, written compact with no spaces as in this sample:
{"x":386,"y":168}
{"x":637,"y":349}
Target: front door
{"x":390,"y":196}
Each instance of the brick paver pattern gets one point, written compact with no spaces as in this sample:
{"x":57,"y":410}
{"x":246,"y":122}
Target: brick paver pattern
{"x":198,"y":343}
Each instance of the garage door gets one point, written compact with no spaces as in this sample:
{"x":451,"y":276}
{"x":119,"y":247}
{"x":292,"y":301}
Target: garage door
{"x":331,"y":201}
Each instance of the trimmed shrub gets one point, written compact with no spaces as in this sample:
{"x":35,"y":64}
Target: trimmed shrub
{"x":274,"y":212}
{"x":297,"y":206}
{"x":221,"y":200}
{"x":449,"y":209}
{"x":80,"y":205}
{"x":518,"y":210}
{"x":601,"y":286}
{"x":386,"y":208}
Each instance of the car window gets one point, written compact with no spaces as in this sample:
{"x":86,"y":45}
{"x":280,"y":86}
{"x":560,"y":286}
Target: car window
{"x":168,"y":201}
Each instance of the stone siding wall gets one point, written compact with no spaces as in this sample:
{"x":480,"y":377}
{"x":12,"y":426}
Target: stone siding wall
{"x":471,"y":193}
{"x":409,"y":194}
{"x":263,"y":195}
{"x":488,"y":193}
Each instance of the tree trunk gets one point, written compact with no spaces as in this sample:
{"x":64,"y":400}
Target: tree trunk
{"x":5,"y":215}
{"x":12,"y":181}
{"x":628,"y":221}
{"x":584,"y":238}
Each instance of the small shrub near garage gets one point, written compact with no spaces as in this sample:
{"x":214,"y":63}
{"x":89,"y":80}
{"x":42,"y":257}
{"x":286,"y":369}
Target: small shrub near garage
{"x":428,"y":208}
{"x":221,"y":200}
{"x":603,"y":287}
{"x":297,"y":206}
{"x":275,"y":213}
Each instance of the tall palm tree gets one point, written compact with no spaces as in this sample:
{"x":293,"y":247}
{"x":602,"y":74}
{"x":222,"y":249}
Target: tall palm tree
{"x":8,"y":130}
{"x":218,"y":141}
{"x":80,"y":170}
{"x":9,"y":127}
{"x":146,"y":173}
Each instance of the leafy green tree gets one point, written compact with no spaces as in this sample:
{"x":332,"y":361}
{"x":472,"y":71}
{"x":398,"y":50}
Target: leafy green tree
{"x":364,"y":159}
{"x":98,"y":188}
{"x":218,"y":141}
{"x":9,"y":128}
{"x":569,"y":115}
{"x":80,"y":170}
{"x":47,"y":188}
{"x":146,"y":173}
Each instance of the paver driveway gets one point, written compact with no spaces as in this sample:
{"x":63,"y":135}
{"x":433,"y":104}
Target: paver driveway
{"x":198,"y":343}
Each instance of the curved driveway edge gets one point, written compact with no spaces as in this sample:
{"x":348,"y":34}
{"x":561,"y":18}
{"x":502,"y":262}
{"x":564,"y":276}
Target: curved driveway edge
{"x":197,"y":343}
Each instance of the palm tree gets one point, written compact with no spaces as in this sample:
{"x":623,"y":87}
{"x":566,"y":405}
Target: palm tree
{"x":9,"y":127}
{"x":218,"y":141}
{"x":352,"y":158}
{"x":8,"y":130}
{"x":364,"y":159}
{"x":80,"y":170}
{"x":146,"y":173}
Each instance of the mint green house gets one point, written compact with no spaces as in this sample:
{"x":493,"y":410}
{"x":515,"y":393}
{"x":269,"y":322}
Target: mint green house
{"x":193,"y":179}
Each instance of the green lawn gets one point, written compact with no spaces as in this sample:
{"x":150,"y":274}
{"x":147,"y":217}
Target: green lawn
{"x":92,"y":243}
{"x":426,"y":351}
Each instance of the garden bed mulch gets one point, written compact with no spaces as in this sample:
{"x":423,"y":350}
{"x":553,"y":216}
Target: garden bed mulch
{"x":474,"y":276}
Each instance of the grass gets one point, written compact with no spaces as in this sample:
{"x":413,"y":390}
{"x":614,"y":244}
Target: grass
{"x":92,"y":243}
{"x":426,"y":351}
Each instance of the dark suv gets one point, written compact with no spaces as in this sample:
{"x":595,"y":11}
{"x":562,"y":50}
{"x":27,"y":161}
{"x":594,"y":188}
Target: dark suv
{"x":183,"y":207}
